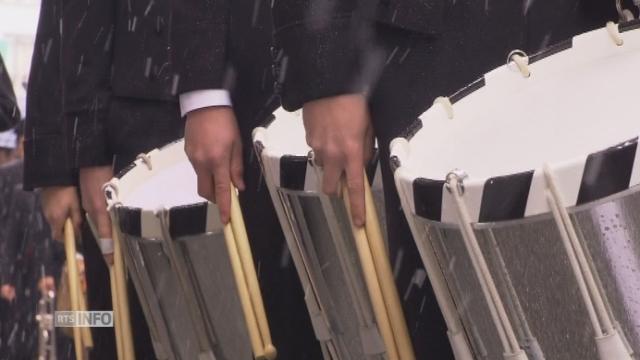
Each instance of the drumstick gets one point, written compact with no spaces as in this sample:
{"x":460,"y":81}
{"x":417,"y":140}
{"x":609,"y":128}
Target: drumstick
{"x":372,"y":282}
{"x":123,"y":300}
{"x":87,"y":339}
{"x":116,"y":312}
{"x":257,"y":345}
{"x":72,"y":272}
{"x":117,"y":321}
{"x":385,"y":276}
{"x":246,"y":259}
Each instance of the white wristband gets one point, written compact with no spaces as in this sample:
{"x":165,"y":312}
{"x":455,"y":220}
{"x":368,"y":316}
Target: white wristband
{"x":106,"y":246}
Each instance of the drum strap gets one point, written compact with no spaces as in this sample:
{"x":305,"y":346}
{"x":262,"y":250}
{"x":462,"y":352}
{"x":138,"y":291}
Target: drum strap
{"x":506,"y":333}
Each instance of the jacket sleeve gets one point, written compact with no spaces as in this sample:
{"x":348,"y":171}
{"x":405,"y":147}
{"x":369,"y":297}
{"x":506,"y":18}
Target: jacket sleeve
{"x":321,"y":48}
{"x":86,"y":58}
{"x":47,"y":137}
{"x":199,"y":33}
{"x":9,"y":112}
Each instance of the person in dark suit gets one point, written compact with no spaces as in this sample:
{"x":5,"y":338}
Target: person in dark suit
{"x":30,"y":261}
{"x":9,"y":112}
{"x":358,"y":68}
{"x":121,"y":70}
{"x":223,"y":63}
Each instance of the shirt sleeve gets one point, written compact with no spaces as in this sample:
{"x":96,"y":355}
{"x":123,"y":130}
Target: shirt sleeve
{"x":198,"y":99}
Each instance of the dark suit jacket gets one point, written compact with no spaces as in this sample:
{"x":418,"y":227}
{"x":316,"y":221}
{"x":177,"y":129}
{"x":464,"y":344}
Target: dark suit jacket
{"x":112,"y":54}
{"x":47,"y":138}
{"x":325,"y":47}
{"x":9,"y":112}
{"x":402,"y":68}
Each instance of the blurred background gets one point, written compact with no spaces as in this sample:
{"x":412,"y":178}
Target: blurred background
{"x":18,"y":21}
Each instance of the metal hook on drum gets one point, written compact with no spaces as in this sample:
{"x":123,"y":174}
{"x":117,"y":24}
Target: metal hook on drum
{"x":146,"y":159}
{"x":111,"y":193}
{"x":459,"y":176}
{"x":446,"y":103}
{"x":521,"y":59}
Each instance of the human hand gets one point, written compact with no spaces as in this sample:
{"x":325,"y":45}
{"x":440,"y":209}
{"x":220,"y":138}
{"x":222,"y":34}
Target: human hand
{"x":92,"y":179}
{"x":339,"y":131}
{"x":58,"y":204}
{"x":214,"y":147}
{"x":8,"y":292}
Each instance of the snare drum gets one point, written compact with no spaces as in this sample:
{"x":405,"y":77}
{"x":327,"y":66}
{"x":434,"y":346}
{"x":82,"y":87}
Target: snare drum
{"x":176,"y":255}
{"x":521,"y":190}
{"x":320,"y":240}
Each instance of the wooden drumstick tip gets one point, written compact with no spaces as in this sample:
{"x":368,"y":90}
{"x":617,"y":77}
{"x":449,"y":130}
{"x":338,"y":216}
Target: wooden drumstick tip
{"x":270,"y":352}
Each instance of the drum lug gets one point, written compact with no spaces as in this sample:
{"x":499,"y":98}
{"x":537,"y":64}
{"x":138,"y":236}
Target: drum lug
{"x":111,"y":192}
{"x":521,"y":59}
{"x":146,"y":159}
{"x":446,"y":104}
{"x":458,"y":175}
{"x":400,"y":150}
{"x":614,"y":33}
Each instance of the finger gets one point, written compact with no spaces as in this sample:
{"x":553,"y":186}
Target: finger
{"x":108,"y":258}
{"x":237,"y":168}
{"x":205,"y":185}
{"x":222,"y":183}
{"x":102,"y":222}
{"x":355,"y":186}
{"x":332,"y":171}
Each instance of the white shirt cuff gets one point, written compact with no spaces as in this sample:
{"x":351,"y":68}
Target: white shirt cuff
{"x":198,"y":99}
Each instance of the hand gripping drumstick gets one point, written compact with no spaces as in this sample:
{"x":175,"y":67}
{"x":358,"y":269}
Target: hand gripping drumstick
{"x":250,"y":277}
{"x":122,"y":296}
{"x":379,"y":279}
{"x":74,"y":289}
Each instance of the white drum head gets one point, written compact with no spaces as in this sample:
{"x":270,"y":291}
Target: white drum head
{"x":170,"y":182}
{"x":159,"y":182}
{"x":577,"y":104}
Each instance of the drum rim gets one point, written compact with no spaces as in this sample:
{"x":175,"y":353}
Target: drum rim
{"x":289,"y":171}
{"x":427,"y":197}
{"x":183,"y":220}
